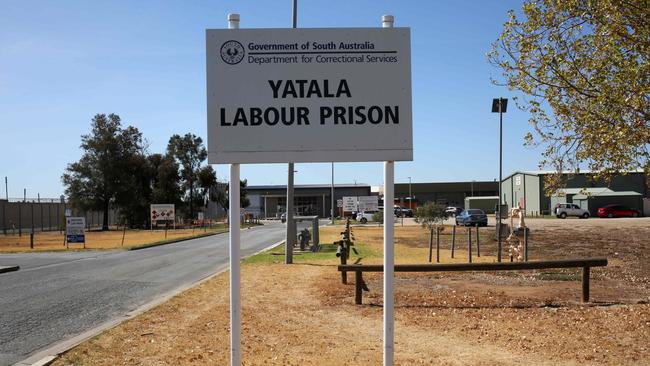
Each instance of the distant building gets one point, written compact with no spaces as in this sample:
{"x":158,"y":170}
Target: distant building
{"x":444,"y":193}
{"x":526,"y":190}
{"x":270,"y":201}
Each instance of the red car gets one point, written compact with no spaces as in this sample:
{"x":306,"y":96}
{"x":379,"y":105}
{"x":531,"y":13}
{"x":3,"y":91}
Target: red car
{"x":616,"y":210}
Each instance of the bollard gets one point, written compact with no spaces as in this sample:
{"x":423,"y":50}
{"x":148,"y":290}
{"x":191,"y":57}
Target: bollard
{"x":478,"y":243}
{"x":585,"y":284}
{"x":469,"y":244}
{"x":437,"y":245}
{"x":31,"y":240}
{"x":525,"y":244}
{"x":430,"y":244}
{"x":453,"y":241}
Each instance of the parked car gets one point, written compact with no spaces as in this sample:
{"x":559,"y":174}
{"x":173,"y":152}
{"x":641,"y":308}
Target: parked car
{"x":616,"y":210}
{"x":403,"y":211}
{"x":453,"y":211}
{"x":472,"y":217}
{"x":562,"y":210}
{"x":365,"y":216}
{"x":283,"y":217}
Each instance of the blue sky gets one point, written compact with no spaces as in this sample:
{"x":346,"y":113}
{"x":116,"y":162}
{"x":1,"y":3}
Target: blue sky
{"x":62,"y":62}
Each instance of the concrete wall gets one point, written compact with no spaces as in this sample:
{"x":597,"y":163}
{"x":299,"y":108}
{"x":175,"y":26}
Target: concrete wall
{"x":485,"y":204}
{"x":532,"y":195}
{"x":18,"y":217}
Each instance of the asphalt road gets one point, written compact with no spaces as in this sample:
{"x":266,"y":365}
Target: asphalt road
{"x":55,"y":296}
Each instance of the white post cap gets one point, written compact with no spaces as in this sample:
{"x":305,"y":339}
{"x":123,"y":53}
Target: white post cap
{"x":233,"y":21}
{"x":387,"y":21}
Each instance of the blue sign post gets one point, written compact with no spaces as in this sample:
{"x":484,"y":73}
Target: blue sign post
{"x":75,"y":230}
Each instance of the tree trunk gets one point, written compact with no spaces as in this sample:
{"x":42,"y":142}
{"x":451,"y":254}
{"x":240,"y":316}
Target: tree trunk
{"x":191,"y":200}
{"x":105,"y":220}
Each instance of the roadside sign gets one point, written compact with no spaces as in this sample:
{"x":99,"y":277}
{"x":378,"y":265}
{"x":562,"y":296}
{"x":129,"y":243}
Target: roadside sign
{"x":350,"y":204}
{"x":339,"y":203}
{"x":68,"y":212}
{"x":201,"y":216}
{"x":75,"y":229}
{"x":162,"y":212}
{"x":368,"y":203}
{"x":315,"y":95}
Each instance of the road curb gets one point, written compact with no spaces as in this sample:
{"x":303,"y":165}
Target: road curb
{"x":5,"y":269}
{"x":172,"y":241}
{"x":49,"y":355}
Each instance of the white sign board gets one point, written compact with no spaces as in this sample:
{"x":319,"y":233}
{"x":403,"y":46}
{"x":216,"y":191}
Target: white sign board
{"x":368,"y":203}
{"x":350,"y":204}
{"x":309,"y":95}
{"x":162,"y":212}
{"x":339,"y":203}
{"x":75,"y":229}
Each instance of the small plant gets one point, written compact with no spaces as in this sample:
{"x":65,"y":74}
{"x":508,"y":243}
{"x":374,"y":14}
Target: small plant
{"x":378,"y":217}
{"x":431,"y":216}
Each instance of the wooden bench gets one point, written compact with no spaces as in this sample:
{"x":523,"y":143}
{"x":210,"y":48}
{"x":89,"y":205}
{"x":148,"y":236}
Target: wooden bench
{"x":584,"y":263}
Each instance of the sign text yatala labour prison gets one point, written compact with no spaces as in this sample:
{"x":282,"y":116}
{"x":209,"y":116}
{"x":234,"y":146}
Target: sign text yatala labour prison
{"x":271,"y":116}
{"x":309,"y":95}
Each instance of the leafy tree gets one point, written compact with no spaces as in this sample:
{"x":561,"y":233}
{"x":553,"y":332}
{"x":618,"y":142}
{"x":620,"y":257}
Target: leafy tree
{"x":584,"y":69}
{"x":135,"y":196}
{"x":431,"y":216}
{"x":222,"y":198}
{"x":102,"y":176}
{"x":207,"y":182}
{"x":165,"y":179}
{"x":189,"y":152}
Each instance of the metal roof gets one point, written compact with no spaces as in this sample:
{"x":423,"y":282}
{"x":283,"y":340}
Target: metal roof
{"x":592,"y":191}
{"x":298,"y":186}
{"x":607,"y":194}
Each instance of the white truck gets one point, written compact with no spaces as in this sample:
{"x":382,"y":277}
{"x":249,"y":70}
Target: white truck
{"x":562,"y":210}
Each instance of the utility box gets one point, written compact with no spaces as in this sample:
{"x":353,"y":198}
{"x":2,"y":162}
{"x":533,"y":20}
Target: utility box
{"x":485,"y":203}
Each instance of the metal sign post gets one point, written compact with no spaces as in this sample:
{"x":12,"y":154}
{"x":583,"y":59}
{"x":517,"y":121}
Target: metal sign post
{"x":235,"y":231}
{"x":389,"y":255}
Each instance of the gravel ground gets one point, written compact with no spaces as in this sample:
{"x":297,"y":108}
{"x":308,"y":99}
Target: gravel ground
{"x":303,"y":315}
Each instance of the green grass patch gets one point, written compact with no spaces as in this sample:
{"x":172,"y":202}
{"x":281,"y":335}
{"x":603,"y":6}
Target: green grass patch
{"x":559,"y":276}
{"x":327,"y":252}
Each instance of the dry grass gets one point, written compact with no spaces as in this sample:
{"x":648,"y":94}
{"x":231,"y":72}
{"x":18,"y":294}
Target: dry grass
{"x":52,"y":240}
{"x":302,"y":315}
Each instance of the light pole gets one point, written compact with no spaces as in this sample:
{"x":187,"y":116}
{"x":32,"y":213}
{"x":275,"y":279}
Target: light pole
{"x":500,"y":105}
{"x":410,"y":195}
{"x":291,"y":228}
{"x":333,"y":199}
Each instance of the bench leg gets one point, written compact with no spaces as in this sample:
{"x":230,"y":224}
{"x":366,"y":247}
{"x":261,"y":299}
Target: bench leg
{"x":358,"y":286}
{"x":585,"y":284}
{"x":344,"y":274}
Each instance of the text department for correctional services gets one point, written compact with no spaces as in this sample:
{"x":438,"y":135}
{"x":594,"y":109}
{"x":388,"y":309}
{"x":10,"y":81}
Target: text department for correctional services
{"x":319,"y":53}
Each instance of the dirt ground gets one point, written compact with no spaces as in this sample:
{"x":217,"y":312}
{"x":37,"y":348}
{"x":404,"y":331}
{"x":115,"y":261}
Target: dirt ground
{"x":302,"y":314}
{"x":53,"y":240}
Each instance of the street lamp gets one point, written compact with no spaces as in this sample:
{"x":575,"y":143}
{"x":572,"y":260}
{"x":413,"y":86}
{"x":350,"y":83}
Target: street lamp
{"x":500,"y":105}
